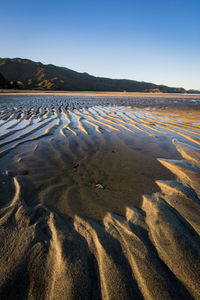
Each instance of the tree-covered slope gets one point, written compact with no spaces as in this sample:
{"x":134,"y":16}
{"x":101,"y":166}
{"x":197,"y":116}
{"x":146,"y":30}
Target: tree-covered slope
{"x":35,"y":75}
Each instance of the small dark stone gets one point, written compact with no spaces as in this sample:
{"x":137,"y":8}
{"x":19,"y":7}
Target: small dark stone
{"x":76,"y":166}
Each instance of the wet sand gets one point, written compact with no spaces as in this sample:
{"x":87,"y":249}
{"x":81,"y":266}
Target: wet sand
{"x":99,"y":93}
{"x":99,"y":197}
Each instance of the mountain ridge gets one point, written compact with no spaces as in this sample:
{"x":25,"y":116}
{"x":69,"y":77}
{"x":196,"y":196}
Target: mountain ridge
{"x":27,"y":74}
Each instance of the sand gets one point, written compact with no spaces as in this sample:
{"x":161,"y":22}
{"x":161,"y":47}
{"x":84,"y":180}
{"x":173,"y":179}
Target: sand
{"x":99,"y":197}
{"x":99,"y":94}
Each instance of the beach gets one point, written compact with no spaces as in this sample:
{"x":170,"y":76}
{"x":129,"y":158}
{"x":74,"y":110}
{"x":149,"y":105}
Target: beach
{"x":99,"y":196}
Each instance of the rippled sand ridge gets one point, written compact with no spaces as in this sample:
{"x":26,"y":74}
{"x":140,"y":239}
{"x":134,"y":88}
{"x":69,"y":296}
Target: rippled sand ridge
{"x":100,"y":197}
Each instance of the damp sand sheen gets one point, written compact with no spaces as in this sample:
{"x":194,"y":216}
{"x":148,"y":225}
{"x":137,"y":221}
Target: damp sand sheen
{"x":99,"y":197}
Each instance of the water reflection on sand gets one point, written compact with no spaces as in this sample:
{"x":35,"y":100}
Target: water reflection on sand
{"x":75,"y":174}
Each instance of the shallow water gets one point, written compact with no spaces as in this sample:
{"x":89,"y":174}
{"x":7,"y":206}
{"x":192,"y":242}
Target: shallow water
{"x":75,"y":175}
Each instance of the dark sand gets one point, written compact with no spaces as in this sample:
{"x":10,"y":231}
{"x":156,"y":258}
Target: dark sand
{"x":99,"y":197}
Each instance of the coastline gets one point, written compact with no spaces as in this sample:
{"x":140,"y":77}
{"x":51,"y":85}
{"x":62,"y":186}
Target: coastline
{"x":99,"y":93}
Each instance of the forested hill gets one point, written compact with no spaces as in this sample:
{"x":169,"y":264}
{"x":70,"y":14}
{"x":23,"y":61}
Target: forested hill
{"x":4,"y":83}
{"x":27,"y":74}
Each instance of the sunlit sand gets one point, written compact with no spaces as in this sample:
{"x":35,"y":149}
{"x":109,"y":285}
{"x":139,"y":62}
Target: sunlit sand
{"x":99,"y":196}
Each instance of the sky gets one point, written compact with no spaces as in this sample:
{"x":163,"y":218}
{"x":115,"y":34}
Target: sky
{"x":145,"y":40}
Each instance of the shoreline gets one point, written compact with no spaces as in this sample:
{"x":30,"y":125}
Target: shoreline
{"x":99,"y":93}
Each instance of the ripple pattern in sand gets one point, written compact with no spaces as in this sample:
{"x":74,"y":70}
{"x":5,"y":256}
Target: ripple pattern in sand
{"x":23,"y":121}
{"x":151,"y":253}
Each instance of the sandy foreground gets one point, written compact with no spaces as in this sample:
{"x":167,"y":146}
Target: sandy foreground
{"x":99,"y":196}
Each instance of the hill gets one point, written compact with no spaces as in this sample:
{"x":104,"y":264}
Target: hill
{"x":193,"y":92}
{"x":28,"y":74}
{"x":4,"y":83}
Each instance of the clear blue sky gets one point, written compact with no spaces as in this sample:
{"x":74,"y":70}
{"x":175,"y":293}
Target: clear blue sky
{"x":149,"y":40}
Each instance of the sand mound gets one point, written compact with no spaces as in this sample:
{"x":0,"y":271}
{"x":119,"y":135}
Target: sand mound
{"x":151,"y":253}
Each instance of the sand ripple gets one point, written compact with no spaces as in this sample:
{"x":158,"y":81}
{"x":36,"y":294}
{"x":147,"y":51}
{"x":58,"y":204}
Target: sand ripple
{"x":28,"y":119}
{"x":150,"y":253}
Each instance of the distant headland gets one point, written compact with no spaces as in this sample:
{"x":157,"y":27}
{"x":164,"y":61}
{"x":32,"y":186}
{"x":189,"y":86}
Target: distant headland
{"x":25,"y":74}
